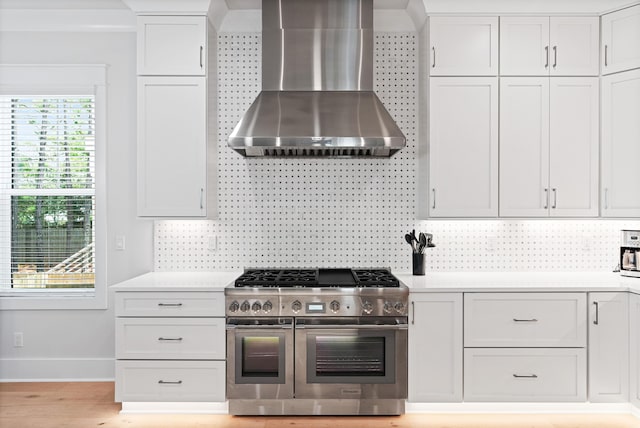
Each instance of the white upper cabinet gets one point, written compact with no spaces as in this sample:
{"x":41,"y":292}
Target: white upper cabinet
{"x":620,"y":144}
{"x":172,"y":45}
{"x":172,"y":146}
{"x":463,"y":46}
{"x":620,"y":48}
{"x":463,"y":147}
{"x":549,"y":147}
{"x":543,"y":46}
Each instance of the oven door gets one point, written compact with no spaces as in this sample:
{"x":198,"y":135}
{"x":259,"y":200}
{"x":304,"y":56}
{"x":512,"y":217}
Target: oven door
{"x":351,"y":357}
{"x":260,"y":358}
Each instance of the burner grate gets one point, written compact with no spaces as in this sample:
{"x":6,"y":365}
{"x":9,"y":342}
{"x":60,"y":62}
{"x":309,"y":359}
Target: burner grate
{"x":317,"y":278}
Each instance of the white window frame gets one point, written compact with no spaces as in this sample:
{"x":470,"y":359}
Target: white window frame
{"x":47,"y":79}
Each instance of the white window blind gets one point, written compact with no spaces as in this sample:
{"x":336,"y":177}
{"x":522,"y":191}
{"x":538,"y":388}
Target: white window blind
{"x":47,"y":191}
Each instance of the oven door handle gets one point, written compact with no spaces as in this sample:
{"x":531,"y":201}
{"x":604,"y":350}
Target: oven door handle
{"x":353,"y":327}
{"x":258,"y":327}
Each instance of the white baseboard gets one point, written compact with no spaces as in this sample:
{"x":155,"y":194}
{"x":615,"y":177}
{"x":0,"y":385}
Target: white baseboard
{"x":532,"y":408}
{"x":130,"y":408}
{"x":56,"y":369}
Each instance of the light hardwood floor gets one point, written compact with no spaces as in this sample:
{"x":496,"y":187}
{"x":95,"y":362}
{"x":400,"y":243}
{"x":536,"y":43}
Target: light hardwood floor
{"x":90,"y":404}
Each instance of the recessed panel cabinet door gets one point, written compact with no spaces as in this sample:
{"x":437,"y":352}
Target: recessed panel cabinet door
{"x":463,"y":46}
{"x":634,"y":318}
{"x":172,"y":146}
{"x":620,"y":49}
{"x":608,"y":347}
{"x":573,"y":46}
{"x":573,"y":145}
{"x":620,"y":144}
{"x":524,"y":46}
{"x":463,"y":138}
{"x":524,"y":146}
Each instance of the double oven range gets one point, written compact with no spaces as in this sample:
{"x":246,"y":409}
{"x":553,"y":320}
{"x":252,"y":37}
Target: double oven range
{"x":316,"y":342}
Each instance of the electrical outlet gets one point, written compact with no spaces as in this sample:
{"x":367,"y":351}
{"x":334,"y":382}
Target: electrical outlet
{"x":585,"y":243}
{"x":213,"y":243}
{"x":492,"y":243}
{"x":120,"y":243}
{"x":18,"y":340}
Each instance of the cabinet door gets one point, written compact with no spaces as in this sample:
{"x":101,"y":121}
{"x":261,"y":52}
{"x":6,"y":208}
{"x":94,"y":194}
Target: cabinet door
{"x":463,"y":138}
{"x":172,"y":146}
{"x":524,"y":146}
{"x":574,"y":142}
{"x":634,"y":317}
{"x":524,"y":46}
{"x":620,"y":48}
{"x":608,"y":347}
{"x":172,"y":45}
{"x":620,"y":148}
{"x":435,"y":347}
{"x":573,"y":46}
{"x":464,"y":46}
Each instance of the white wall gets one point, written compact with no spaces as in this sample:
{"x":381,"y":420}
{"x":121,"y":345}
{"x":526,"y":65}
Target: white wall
{"x":80,"y":343}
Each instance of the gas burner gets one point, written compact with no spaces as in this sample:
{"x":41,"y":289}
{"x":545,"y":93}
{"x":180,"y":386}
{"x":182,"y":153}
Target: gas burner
{"x":295,"y":277}
{"x":375,"y":278}
{"x":258,"y":278}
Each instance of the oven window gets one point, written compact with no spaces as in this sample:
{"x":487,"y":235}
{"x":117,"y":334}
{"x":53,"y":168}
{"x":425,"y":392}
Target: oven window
{"x":350,"y":356}
{"x":260,"y":356}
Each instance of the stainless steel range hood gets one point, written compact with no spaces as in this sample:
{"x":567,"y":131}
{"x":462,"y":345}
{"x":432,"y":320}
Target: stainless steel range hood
{"x":317,"y":94}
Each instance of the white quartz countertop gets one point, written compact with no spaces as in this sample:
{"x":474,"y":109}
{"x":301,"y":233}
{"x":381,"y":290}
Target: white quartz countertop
{"x":519,"y":281}
{"x":178,"y":281}
{"x":429,"y":283}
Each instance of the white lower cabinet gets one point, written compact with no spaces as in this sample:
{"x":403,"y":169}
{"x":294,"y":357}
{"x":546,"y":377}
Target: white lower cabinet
{"x":608,"y":347}
{"x":435,"y":347}
{"x":634,"y":342}
{"x":170,"y":346}
{"x":171,"y":381}
{"x":525,"y":374}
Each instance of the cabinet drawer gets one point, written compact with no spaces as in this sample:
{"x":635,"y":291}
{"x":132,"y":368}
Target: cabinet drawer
{"x":170,"y":338}
{"x":170,"y":304}
{"x":525,"y":375}
{"x":170,"y":381}
{"x":525,"y":320}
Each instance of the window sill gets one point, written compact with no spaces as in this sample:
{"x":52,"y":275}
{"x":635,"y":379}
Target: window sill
{"x":52,"y":300}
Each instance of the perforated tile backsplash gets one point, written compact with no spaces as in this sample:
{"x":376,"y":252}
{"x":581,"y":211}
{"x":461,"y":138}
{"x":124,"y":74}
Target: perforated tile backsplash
{"x":295,"y":212}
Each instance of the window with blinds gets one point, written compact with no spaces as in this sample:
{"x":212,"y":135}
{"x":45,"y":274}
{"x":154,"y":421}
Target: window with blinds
{"x":47,"y":191}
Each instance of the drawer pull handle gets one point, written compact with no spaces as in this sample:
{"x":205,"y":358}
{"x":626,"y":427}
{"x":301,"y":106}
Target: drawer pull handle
{"x":530,"y":376}
{"x":525,"y":320}
{"x":169,"y":339}
{"x":170,"y":304}
{"x":168,"y":382}
{"x":596,"y":321}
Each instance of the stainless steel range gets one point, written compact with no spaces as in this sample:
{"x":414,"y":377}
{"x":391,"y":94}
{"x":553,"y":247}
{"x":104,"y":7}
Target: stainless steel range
{"x":316,"y":342}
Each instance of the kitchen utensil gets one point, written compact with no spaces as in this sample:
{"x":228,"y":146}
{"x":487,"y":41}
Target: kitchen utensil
{"x":409,"y":239}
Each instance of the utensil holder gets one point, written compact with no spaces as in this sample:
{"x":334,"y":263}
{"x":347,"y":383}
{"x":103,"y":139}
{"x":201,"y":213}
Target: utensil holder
{"x":418,"y":264}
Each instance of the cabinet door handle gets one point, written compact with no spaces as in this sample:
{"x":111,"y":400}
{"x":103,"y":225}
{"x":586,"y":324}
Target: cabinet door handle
{"x":530,"y":376}
{"x":169,"y":382}
{"x":434,"y":198}
{"x":170,"y":339}
{"x":201,"y":51}
{"x":170,"y":304}
{"x":433,"y":49}
{"x":413,"y":312}
{"x":201,"y":198}
{"x":606,"y":198}
{"x":555,"y":198}
{"x":546,"y":198}
{"x":596,"y":321}
{"x":555,"y":56}
{"x":606,"y":48}
{"x":525,"y":320}
{"x":546,"y":52}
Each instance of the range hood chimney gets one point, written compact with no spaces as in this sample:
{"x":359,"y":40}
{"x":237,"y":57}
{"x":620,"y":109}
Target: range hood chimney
{"x":317,"y":94}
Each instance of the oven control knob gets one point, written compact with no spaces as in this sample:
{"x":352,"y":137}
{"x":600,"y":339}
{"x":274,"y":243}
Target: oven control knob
{"x":267,"y":306}
{"x":399,"y":307}
{"x":256,"y":307}
{"x":245,"y":306}
{"x":334,"y":306}
{"x":367,"y":307}
{"x":296,"y":306}
{"x":387,"y":307}
{"x":234,"y":306}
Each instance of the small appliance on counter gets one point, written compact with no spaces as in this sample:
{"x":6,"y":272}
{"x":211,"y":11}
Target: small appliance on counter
{"x":630,"y":253}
